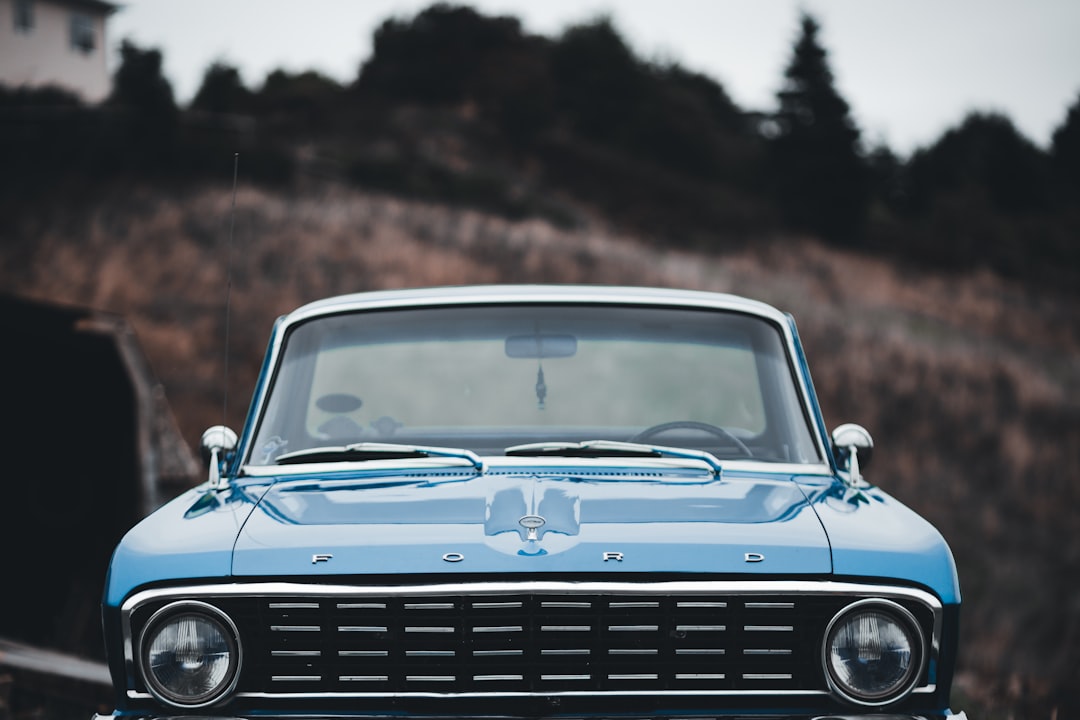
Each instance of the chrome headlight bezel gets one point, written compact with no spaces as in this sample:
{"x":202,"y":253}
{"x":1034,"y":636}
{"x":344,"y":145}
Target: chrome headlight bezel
{"x":206,"y":612}
{"x":901,"y":617}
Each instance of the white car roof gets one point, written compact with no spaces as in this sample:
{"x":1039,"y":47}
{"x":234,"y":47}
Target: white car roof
{"x":473,"y":294}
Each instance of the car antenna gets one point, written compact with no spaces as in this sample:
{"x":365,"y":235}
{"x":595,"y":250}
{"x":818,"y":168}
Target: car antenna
{"x":220,"y":438}
{"x":228,"y":291}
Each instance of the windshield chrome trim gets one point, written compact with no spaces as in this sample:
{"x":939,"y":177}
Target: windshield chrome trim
{"x":478,"y":589}
{"x":538,"y":295}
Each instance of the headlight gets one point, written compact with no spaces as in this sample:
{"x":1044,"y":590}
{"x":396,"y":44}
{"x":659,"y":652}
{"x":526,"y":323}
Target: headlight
{"x":189,"y":654}
{"x":873,"y":652}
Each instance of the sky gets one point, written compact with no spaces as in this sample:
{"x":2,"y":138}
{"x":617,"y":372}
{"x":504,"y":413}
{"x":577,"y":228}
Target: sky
{"x":909,"y":69}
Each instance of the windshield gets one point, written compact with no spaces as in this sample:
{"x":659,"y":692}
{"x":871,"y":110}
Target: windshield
{"x":488,"y":378}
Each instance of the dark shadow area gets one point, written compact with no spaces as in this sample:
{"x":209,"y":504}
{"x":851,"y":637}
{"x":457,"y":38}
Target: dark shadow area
{"x":90,"y":447}
{"x":71,"y":473}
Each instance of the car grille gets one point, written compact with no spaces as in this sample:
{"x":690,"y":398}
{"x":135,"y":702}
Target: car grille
{"x":531,"y":638}
{"x":536,"y":643}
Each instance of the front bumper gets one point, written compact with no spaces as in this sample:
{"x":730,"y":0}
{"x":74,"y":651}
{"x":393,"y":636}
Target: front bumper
{"x":512,"y":716}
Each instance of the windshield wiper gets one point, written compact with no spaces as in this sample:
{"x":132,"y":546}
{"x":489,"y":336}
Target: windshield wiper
{"x":361,"y":452}
{"x":609,"y":448}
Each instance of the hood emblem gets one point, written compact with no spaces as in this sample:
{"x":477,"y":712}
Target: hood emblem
{"x":532,"y":523}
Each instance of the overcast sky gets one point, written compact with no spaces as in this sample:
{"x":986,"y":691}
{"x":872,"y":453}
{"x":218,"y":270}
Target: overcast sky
{"x":910,"y":69}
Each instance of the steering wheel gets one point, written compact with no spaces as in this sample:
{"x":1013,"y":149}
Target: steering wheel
{"x":654,"y":430}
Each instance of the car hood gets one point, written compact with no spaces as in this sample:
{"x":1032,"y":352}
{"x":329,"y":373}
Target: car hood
{"x":525,"y":521}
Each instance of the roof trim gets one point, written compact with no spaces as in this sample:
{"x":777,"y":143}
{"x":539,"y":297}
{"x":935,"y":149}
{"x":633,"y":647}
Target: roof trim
{"x":480,"y":294}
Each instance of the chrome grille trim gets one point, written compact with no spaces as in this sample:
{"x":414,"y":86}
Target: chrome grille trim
{"x":424,"y":629}
{"x":691,"y":680}
{"x":539,"y":588}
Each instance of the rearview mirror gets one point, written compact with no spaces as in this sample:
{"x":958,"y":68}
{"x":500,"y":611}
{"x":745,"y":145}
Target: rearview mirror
{"x":541,"y":346}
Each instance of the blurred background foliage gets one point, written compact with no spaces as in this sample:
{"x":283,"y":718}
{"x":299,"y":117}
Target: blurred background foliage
{"x":936,"y":292}
{"x":461,"y":107}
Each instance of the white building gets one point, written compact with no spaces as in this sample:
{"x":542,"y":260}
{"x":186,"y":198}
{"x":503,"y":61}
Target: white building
{"x":55,"y":42}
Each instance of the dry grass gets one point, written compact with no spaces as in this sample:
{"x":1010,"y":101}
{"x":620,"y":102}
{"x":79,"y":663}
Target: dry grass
{"x":969,"y":384}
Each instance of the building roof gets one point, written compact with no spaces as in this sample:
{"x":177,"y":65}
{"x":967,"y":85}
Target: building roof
{"x":96,"y":6}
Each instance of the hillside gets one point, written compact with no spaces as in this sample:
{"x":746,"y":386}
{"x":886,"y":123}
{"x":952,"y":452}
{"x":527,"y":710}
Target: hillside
{"x":969,"y":383}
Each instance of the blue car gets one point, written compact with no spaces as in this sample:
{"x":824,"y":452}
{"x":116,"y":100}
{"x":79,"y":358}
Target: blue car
{"x":533,"y":501}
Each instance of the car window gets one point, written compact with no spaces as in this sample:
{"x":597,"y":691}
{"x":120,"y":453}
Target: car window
{"x":487,"y":378}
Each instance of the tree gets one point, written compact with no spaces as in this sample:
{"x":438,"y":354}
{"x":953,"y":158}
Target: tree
{"x":1065,"y":153}
{"x":222,"y":91}
{"x":981,"y":196}
{"x":140,"y":86}
{"x":986,"y":155}
{"x":710,"y":94}
{"x":453,"y":56}
{"x":819,"y":175}
{"x":602,"y":85}
{"x":440,"y":57}
{"x":147,"y":127}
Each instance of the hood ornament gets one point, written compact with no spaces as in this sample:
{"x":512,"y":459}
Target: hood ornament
{"x":532,"y":523}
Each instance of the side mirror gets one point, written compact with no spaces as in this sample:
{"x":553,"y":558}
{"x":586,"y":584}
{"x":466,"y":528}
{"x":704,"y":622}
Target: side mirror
{"x":853,"y":448}
{"x":217,"y":442}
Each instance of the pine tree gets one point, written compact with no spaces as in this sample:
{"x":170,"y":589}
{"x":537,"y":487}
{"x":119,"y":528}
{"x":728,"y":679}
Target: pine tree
{"x":821,"y":180}
{"x":1065,"y":154}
